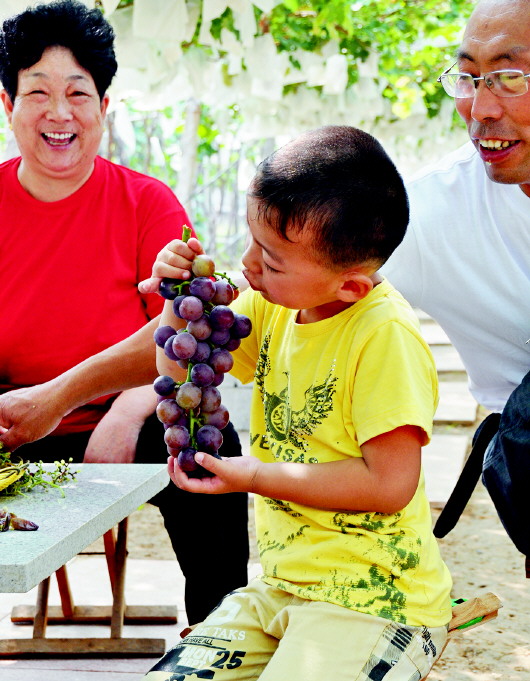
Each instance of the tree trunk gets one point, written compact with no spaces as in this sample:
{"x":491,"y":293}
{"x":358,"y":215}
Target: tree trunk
{"x":189,"y":146}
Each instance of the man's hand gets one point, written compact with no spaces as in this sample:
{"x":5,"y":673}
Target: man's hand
{"x":28,"y":414}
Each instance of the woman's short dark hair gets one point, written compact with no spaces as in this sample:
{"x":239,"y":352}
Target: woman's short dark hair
{"x":66,"y":23}
{"x":338,"y":182}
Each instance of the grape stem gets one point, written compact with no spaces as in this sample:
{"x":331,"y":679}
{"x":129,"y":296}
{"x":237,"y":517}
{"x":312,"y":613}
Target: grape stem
{"x":224,"y":275}
{"x":194,"y":422}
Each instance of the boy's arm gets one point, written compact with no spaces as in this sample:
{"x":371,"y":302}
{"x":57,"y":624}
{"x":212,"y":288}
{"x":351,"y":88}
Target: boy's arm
{"x":384,"y":480}
{"x":28,"y":414}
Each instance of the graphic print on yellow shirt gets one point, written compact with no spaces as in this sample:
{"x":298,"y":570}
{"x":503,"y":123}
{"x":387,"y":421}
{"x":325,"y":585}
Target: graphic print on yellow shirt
{"x":322,"y":390}
{"x":283,"y":423}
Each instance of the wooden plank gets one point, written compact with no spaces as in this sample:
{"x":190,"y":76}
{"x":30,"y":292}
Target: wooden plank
{"x":99,"y":614}
{"x":442,"y":460}
{"x":101,"y":647}
{"x":456,"y":404}
{"x":486,"y":606}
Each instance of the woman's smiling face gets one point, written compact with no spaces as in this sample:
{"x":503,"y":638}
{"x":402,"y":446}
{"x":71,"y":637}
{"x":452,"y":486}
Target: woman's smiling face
{"x":57,"y":118}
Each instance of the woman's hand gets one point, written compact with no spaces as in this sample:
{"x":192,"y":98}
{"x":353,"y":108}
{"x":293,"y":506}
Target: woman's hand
{"x":231,"y":474}
{"x":173,"y":262}
{"x":27,"y":414}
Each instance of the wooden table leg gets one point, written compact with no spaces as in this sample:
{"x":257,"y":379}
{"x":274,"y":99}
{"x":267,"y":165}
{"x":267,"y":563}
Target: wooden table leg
{"x":41,"y":612}
{"x":67,"y":602}
{"x":109,"y":542}
{"x":118,"y":590}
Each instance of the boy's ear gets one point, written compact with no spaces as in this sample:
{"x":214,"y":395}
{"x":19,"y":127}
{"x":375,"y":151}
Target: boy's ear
{"x":354,"y":286}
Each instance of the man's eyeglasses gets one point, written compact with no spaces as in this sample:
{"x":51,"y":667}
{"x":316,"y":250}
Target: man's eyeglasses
{"x":503,"y":83}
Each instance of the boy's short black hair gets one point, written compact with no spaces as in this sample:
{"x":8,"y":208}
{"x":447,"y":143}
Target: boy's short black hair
{"x":66,"y":23}
{"x":339,"y":182}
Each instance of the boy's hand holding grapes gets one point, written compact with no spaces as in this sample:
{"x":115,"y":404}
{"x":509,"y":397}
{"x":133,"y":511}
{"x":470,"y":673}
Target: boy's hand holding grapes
{"x":195,"y":338}
{"x":173,"y":262}
{"x":237,"y":474}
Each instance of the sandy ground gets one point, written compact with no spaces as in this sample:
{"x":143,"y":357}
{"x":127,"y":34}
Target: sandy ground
{"x":480,"y":557}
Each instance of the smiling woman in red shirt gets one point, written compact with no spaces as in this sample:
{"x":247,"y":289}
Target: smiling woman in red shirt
{"x":78,"y":233}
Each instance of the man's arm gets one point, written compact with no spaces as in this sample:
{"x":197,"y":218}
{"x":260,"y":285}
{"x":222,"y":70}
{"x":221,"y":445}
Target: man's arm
{"x":29,"y":414}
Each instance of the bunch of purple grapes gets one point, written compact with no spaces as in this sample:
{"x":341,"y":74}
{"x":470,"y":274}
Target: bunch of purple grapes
{"x":191,"y":411}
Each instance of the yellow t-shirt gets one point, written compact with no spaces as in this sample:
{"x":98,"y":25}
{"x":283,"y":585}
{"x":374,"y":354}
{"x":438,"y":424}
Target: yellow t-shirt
{"x":322,"y":390}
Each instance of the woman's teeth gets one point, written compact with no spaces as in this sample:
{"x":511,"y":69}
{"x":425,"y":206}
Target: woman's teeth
{"x":58,"y":137}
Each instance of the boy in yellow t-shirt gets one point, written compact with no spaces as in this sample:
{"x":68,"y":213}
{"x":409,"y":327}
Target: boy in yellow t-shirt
{"x":353,"y":585}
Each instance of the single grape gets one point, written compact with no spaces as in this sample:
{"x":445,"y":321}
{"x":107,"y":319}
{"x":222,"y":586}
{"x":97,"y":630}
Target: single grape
{"x":203,"y":266}
{"x":184,"y":345}
{"x":164,"y":385}
{"x":209,"y":439}
{"x":211,"y":399}
{"x":188,"y":396}
{"x":203,"y":288}
{"x":221,"y":317}
{"x":176,"y":303}
{"x":218,"y":379}
{"x":220,"y":337}
{"x":241,"y":327}
{"x":168,"y":288}
{"x":168,"y":348}
{"x":224,"y":293}
{"x":186,"y":460}
{"x":218,"y":418}
{"x":168,"y":411}
{"x":202,"y":353}
{"x":202,"y":375}
{"x":173,"y":451}
{"x":191,"y":308}
{"x":232,"y":344}
{"x":221,"y":361}
{"x":162,"y":333}
{"x":200,"y":328}
{"x":184,"y":421}
{"x":161,"y":398}
{"x":177,"y":437}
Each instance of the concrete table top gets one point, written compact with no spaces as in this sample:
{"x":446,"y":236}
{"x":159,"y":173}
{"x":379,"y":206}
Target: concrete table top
{"x":101,"y":496}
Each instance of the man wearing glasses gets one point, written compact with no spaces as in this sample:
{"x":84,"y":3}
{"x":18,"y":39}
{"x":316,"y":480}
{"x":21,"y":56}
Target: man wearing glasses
{"x":466,"y":257}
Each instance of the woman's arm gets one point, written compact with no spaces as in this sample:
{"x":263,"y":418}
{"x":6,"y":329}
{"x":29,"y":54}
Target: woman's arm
{"x":29,"y":414}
